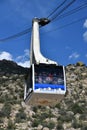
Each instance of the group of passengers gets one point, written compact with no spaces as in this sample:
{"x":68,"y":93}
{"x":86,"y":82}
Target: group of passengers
{"x":48,"y":78}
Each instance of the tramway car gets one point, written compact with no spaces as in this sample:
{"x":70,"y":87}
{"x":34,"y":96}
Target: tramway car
{"x":46,"y":82}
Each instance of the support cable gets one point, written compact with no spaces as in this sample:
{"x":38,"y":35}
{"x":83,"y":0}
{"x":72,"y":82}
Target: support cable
{"x":77,"y":9}
{"x":62,"y":10}
{"x":29,"y":29}
{"x":60,"y":16}
{"x":16,"y":35}
{"x":66,"y":25}
{"x":56,"y":8}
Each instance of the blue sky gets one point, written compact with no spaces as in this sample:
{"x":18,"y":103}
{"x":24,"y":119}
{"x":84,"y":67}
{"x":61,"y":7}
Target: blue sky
{"x":66,"y":45}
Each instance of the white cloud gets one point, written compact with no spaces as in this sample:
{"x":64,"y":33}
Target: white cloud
{"x":68,"y":48}
{"x":85,"y":23}
{"x":24,"y":64}
{"x":85,"y":36}
{"x":26,"y":51}
{"x":19,"y":58}
{"x":5,"y":55}
{"x":74,"y":55}
{"x":86,"y":55}
{"x":23,"y":57}
{"x":85,"y":33}
{"x":23,"y":60}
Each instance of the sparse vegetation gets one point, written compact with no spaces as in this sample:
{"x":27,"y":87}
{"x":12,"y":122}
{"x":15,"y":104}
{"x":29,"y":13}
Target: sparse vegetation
{"x":35,"y":123}
{"x":51,"y":125}
{"x":11,"y":125}
{"x":77,"y":124}
{"x":69,"y":113}
{"x":77,"y":109}
{"x":65,"y":118}
{"x":21,"y":116}
{"x":80,"y":63}
{"x":84,"y":127}
{"x":6,"y":110}
{"x":58,"y":106}
{"x":1,"y":121}
{"x":60,"y":126}
{"x":83,"y":117}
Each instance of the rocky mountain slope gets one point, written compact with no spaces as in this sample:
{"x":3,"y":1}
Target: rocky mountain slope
{"x":69,"y":114}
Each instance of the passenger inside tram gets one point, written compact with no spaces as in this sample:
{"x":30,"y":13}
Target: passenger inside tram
{"x":49,"y":77}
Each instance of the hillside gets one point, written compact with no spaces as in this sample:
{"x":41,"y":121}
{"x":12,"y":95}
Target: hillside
{"x":69,"y":114}
{"x":10,"y":67}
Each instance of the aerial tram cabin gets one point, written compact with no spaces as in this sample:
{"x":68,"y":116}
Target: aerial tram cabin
{"x":46,"y":82}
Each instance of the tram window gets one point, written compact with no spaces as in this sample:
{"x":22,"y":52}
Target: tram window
{"x":48,"y":76}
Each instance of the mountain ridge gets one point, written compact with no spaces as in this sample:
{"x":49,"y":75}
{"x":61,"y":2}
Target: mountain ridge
{"x":8,"y":66}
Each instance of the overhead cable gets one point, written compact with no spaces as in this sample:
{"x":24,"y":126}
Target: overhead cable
{"x":60,"y":16}
{"x":29,"y":29}
{"x":68,"y":24}
{"x":16,"y":35}
{"x":62,"y":10}
{"x":56,"y":8}
{"x":79,"y":8}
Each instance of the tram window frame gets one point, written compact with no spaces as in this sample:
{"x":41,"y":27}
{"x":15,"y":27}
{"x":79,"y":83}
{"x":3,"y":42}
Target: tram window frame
{"x":29,"y":81}
{"x":51,"y":67}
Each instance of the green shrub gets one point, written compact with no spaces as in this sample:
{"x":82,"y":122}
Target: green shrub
{"x":65,"y":118}
{"x":1,"y":115}
{"x":84,"y":128}
{"x":77,"y":109}
{"x":5,"y":98}
{"x":1,"y":121}
{"x":80,"y":63}
{"x":21,"y":116}
{"x":43,"y":115}
{"x":35,"y":109}
{"x":51,"y":125}
{"x":2,"y":99}
{"x":2,"y":129}
{"x":60,"y":126}
{"x":41,"y":108}
{"x":77,"y":124}
{"x":21,"y":94}
{"x":83,"y":117}
{"x":6,"y":110}
{"x":35,"y":123}
{"x":58,"y":106}
{"x":11,"y":126}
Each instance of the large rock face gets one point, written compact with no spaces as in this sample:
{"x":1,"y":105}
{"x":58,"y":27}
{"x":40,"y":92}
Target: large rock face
{"x":69,"y":114}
